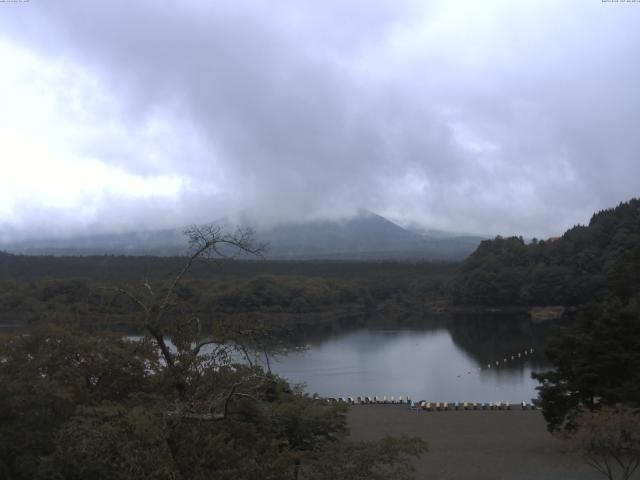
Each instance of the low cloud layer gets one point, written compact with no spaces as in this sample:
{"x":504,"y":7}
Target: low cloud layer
{"x":487,"y":117}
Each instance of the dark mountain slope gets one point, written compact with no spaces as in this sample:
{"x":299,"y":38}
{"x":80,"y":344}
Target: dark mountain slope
{"x":586,"y":263}
{"x":366,"y":236}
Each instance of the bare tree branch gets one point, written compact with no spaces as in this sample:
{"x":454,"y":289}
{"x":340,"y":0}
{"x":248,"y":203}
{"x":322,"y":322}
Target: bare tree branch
{"x":204,"y":241}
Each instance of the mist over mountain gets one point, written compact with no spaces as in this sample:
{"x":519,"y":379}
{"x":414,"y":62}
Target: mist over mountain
{"x":365,"y":236}
{"x":490,"y":117}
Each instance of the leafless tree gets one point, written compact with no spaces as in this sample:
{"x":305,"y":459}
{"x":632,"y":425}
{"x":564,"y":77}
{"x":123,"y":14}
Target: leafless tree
{"x":156,"y":301}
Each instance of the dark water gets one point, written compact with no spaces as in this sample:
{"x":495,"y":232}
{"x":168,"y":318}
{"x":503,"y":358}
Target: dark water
{"x":445,"y":363}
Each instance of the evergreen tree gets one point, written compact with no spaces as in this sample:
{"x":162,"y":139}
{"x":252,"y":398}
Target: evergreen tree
{"x":596,"y":362}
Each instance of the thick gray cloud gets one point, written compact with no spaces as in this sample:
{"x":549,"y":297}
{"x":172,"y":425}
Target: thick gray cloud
{"x":489,"y":117}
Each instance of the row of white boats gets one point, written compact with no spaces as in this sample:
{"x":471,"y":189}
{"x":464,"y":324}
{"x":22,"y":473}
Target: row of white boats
{"x":372,"y":400}
{"x":431,"y":406}
{"x":443,"y":406}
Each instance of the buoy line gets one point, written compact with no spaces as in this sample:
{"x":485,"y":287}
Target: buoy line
{"x":494,"y":365}
{"x":442,"y":406}
{"x":427,"y":406}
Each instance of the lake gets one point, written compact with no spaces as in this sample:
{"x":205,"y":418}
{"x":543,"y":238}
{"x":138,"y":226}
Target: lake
{"x":444,"y":363}
{"x":436,"y":359}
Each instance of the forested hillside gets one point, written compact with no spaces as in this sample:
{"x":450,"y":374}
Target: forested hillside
{"x":595,"y":268}
{"x":34,"y":289}
{"x":587,"y":263}
{"x":184,"y":402}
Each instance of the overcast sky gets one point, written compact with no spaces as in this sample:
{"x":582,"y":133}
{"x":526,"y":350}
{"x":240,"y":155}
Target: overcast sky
{"x":493,"y":117}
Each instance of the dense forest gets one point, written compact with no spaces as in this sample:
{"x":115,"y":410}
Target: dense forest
{"x":586,"y":263}
{"x":85,"y":289}
{"x":596,"y":269}
{"x":79,"y":406}
{"x":596,"y":362}
{"x":179,"y":403}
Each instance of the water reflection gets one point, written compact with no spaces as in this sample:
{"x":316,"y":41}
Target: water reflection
{"x":446,"y":362}
{"x":436,"y":358}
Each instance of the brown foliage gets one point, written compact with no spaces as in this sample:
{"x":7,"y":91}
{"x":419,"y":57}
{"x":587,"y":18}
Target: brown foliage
{"x":609,"y":440}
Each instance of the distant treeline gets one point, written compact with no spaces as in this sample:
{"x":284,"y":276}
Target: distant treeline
{"x":587,"y":263}
{"x":34,"y":288}
{"x":119,"y":267}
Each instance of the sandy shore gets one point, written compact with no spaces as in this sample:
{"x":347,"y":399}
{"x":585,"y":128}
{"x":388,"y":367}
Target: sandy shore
{"x":477,"y":445}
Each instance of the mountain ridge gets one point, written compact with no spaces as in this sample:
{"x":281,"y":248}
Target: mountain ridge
{"x":366,"y":235}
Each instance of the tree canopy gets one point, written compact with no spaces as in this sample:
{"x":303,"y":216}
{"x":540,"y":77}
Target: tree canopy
{"x":595,"y":361}
{"x":586,"y":263}
{"x":178,"y":404}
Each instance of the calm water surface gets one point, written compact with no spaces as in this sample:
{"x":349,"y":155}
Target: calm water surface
{"x":445,"y":361}
{"x":424,"y":364}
